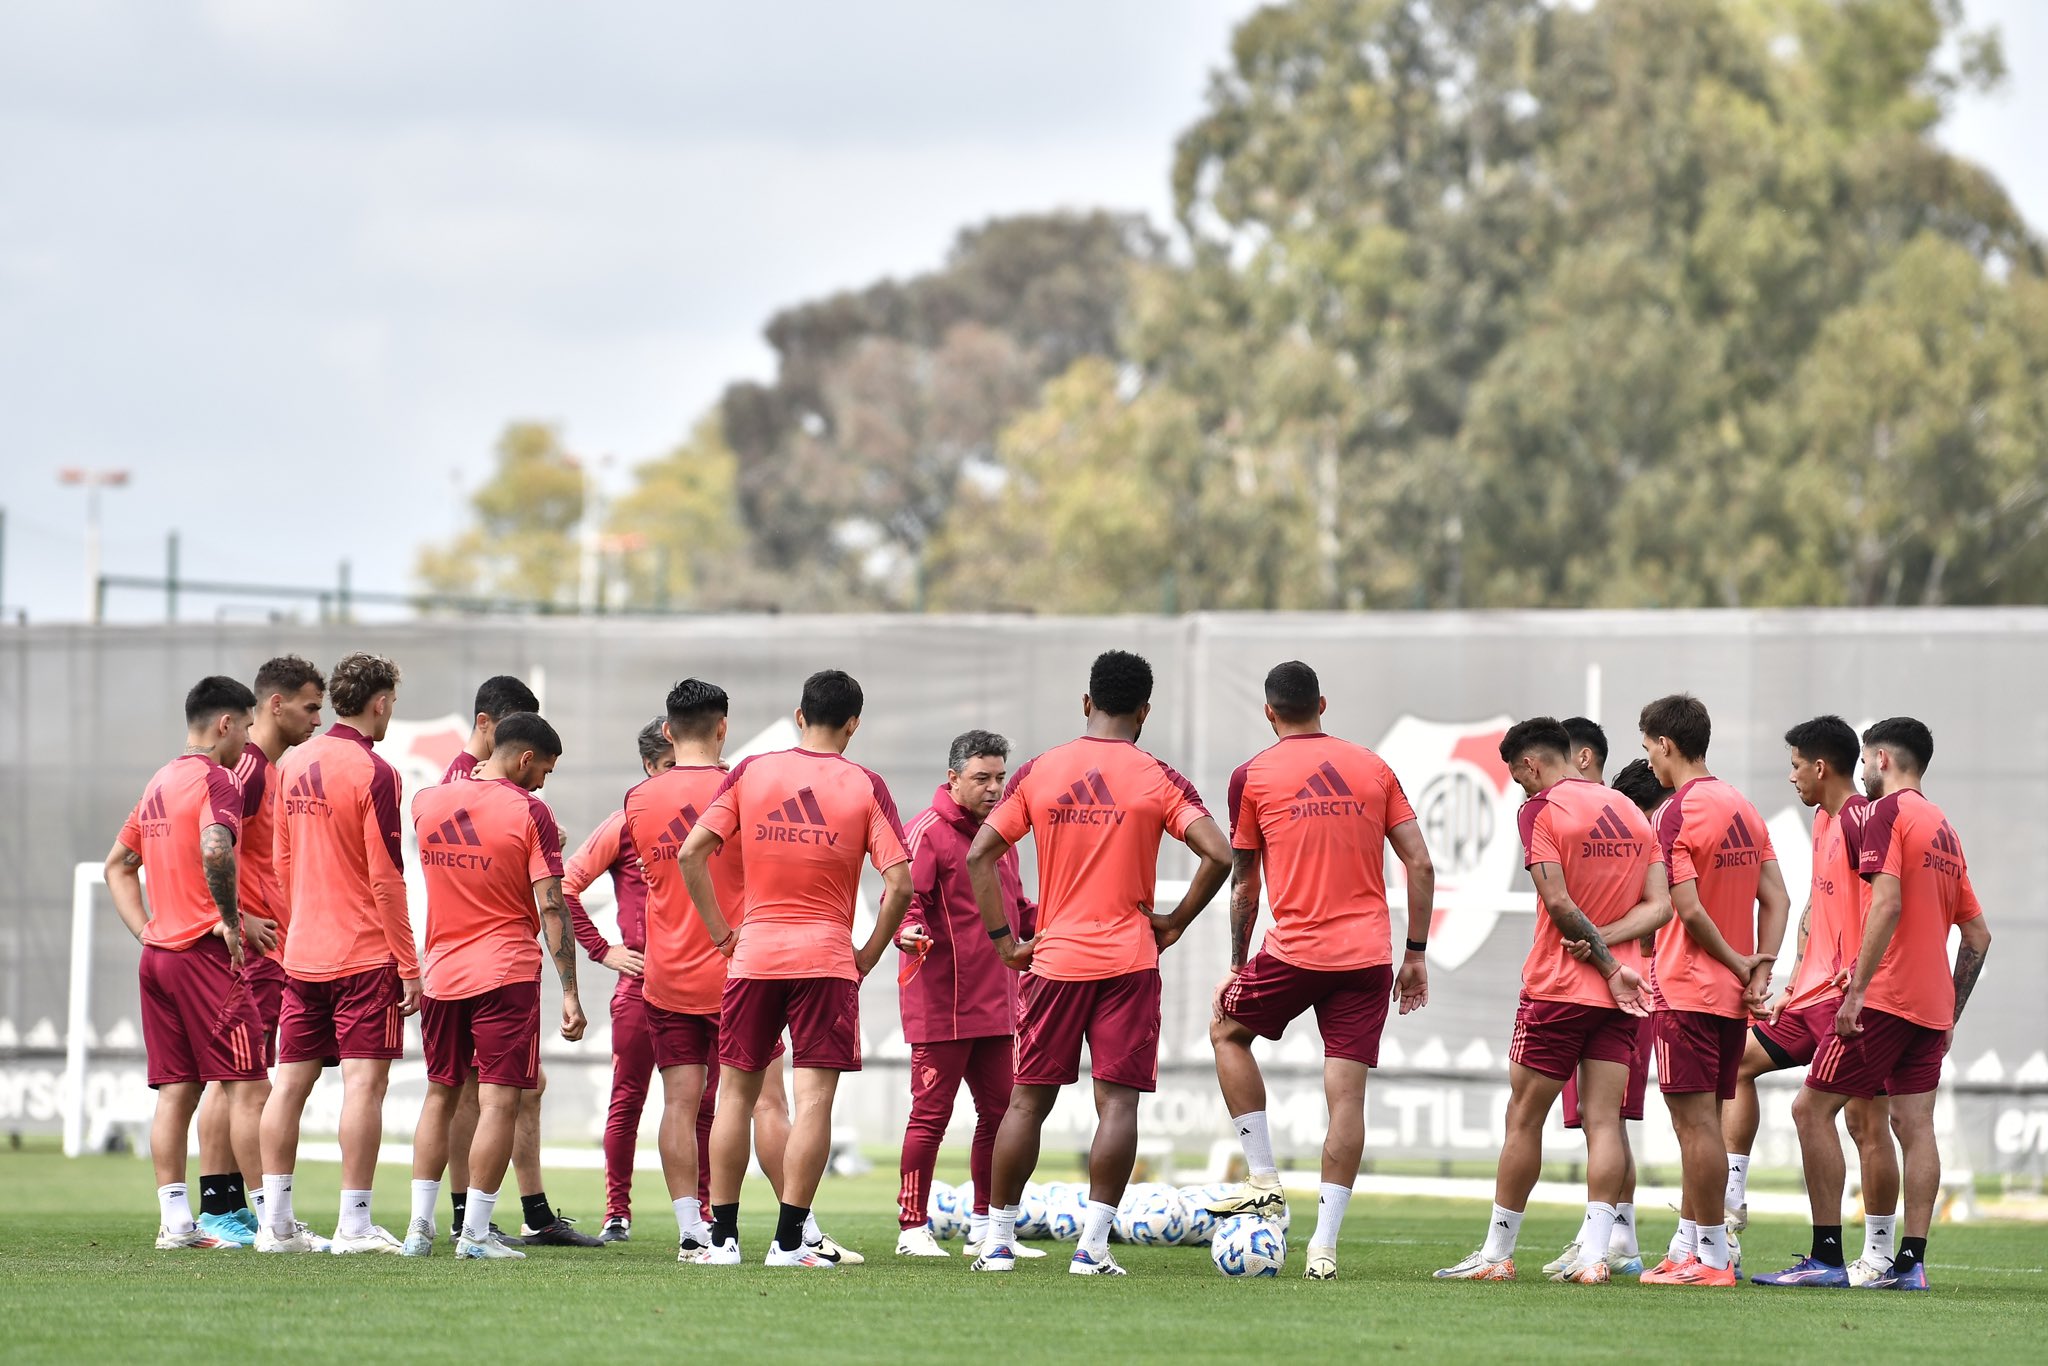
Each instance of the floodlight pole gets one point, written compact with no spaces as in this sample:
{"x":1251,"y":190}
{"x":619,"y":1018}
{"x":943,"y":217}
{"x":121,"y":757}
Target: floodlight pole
{"x":92,"y":481}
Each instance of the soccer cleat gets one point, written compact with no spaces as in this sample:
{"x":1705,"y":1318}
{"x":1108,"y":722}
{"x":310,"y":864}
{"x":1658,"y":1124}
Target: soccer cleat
{"x":419,"y":1239}
{"x":804,"y":1256}
{"x":193,"y":1237}
{"x":1735,"y":1255}
{"x":1806,"y":1272}
{"x":1268,"y":1202}
{"x":617,"y":1229}
{"x":1561,"y":1260}
{"x":1696,"y":1272}
{"x":1893,"y":1279}
{"x":1478,"y":1267}
{"x":1584,"y":1273}
{"x":1666,"y":1269}
{"x":562,"y":1233}
{"x":1867,"y":1268}
{"x":301,"y":1240}
{"x":1322,"y":1264}
{"x":1738,"y":1217}
{"x":485,"y":1250}
{"x":720,"y":1254}
{"x":919,"y":1242}
{"x":226,"y":1227}
{"x":835,"y":1254}
{"x":378,"y":1239}
{"x":1087,"y":1264}
{"x":1023,"y":1252}
{"x":1624,"y":1264}
{"x":248,"y":1218}
{"x":498,"y":1235}
{"x":995,"y":1257}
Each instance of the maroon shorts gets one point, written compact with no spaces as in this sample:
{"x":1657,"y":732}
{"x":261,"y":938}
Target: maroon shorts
{"x":1554,"y":1037}
{"x":1699,"y":1052}
{"x":1118,"y":1016}
{"x":822,"y":1015}
{"x":497,"y":1032}
{"x":347,"y":1017}
{"x":199,"y":1020}
{"x":1638,"y":1077}
{"x":1798,"y":1034}
{"x":1350,"y":1005}
{"x":1892,"y":1056}
{"x":266,"y":980}
{"x":682,"y":1040}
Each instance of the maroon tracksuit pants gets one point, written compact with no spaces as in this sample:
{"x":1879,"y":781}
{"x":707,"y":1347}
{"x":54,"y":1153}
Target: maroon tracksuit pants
{"x":632,"y":1071}
{"x":936,"y":1071}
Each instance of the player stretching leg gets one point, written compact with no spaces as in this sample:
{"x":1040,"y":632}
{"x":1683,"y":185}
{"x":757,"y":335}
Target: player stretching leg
{"x":289,"y":692}
{"x":1098,"y":808}
{"x":1713,"y":967}
{"x":352,"y":969}
{"x":1900,"y":1008}
{"x":802,"y":820}
{"x":1600,"y":880}
{"x":199,"y":1022}
{"x":1313,"y":815}
{"x":1792,"y":1026}
{"x":492,"y":858}
{"x":959,"y":1002}
{"x":611,"y":850}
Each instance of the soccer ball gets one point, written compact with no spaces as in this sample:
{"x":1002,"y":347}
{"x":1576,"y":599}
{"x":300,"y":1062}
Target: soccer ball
{"x":1246,"y":1245}
{"x":1201,"y":1223}
{"x":950,"y":1207}
{"x":1066,"y":1209}
{"x":1032,"y":1211}
{"x":1152,"y":1215}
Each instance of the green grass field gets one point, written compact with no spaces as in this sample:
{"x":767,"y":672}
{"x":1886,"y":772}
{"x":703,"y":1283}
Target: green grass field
{"x":79,"y":1281}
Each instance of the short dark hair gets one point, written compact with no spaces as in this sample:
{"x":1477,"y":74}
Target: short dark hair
{"x":1905,"y":736}
{"x":357,"y":680}
{"x":694,"y":708}
{"x":1682,"y":719}
{"x":1639,"y":784}
{"x":1292,"y":691}
{"x":1586,"y":734}
{"x":652,"y":742}
{"x":214,"y":695}
{"x":1829,"y":739}
{"x":831,"y":699}
{"x":287,"y":674}
{"x":1120,"y":682}
{"x":501,"y":694}
{"x":1538,"y":732}
{"x":976,"y":744}
{"x":521,"y":730}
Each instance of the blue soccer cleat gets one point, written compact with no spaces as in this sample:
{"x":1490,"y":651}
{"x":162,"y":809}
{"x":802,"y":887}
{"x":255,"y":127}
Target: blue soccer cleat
{"x":1916,"y":1279}
{"x":227,"y":1228}
{"x":1807,"y":1272}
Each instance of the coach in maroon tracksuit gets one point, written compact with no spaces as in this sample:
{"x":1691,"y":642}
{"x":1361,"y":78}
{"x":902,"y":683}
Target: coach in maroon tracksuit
{"x":959,"y":1001}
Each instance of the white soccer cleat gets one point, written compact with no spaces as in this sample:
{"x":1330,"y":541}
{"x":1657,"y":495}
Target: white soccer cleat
{"x":1478,"y":1267}
{"x":726,"y":1253}
{"x":1561,"y":1261}
{"x":918,"y":1242}
{"x":995,"y":1258}
{"x":1584,"y":1273}
{"x":378,"y":1239}
{"x":803,"y":1256}
{"x":1867,"y":1268}
{"x":1253,"y":1197}
{"x":419,"y":1239}
{"x":834,"y":1253}
{"x":193,"y":1237}
{"x":1022,"y":1251}
{"x":1088,"y":1264}
{"x":485,"y":1249}
{"x":1738,"y":1217}
{"x":302,"y":1239}
{"x":1322,"y":1264}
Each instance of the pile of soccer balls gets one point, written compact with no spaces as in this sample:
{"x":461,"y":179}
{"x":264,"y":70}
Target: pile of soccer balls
{"x":1152,"y":1214}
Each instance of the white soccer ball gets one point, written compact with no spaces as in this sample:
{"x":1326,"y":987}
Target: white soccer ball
{"x":949,"y":1208}
{"x":1152,"y":1215}
{"x":1066,"y":1209}
{"x":1032,"y":1212}
{"x":1247,"y":1245}
{"x":1201,"y":1223}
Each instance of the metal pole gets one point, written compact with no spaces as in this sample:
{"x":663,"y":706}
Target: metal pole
{"x":95,"y":596}
{"x":341,"y":595}
{"x":171,"y":576}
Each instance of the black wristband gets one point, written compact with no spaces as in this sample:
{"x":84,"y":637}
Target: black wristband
{"x":1003,"y":933}
{"x":1418,"y":945}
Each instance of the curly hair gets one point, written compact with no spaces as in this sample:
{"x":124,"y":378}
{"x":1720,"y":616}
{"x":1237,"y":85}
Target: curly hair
{"x":1120,"y":682}
{"x":357,"y":679}
{"x":286,"y":674}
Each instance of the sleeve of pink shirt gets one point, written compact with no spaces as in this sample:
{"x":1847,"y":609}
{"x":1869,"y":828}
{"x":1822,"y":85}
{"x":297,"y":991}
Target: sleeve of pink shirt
{"x":885,"y":831}
{"x":223,"y":800}
{"x":387,"y":883}
{"x":1672,"y":838}
{"x":584,"y":866}
{"x":1399,"y":812}
{"x":1012,"y":817}
{"x":1539,"y":840}
{"x":1244,"y":817}
{"x":1967,"y":905}
{"x":1183,"y":804}
{"x":722,"y":817}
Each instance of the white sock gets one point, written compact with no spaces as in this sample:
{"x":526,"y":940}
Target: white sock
{"x":174,"y":1207}
{"x":1714,"y":1245}
{"x":689,"y":1216}
{"x":277,"y":1203}
{"x":355,"y":1214}
{"x":813,"y":1235}
{"x":1878,"y":1240}
{"x":977,"y":1229}
{"x":256,"y":1203}
{"x":1585,"y":1229}
{"x":1095,"y":1228}
{"x":1738,"y":1180}
{"x":1624,"y":1239}
{"x":1599,"y":1232}
{"x":425,"y":1195}
{"x":1002,"y":1230}
{"x":476,"y":1214}
{"x":1686,"y":1242}
{"x":1257,"y":1141}
{"x":1331,"y":1202}
{"x":1502,"y":1229}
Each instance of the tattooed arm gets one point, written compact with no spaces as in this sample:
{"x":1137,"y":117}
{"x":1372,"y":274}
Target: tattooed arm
{"x":1970,"y":959}
{"x":217,"y":854}
{"x":1574,"y":925}
{"x":1244,"y":903}
{"x":561,"y":942}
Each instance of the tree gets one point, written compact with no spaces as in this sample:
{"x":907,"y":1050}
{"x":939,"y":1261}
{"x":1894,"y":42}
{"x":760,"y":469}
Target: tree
{"x":677,"y":534}
{"x":522,"y":545}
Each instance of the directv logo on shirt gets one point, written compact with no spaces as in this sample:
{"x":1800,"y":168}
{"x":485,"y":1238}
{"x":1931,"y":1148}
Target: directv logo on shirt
{"x":799,"y":820}
{"x":1609,"y":838}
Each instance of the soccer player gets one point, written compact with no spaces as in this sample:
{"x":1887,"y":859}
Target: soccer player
{"x":801,"y":820}
{"x":1312,"y":816}
{"x":199,"y":1022}
{"x":352,"y":970}
{"x":492,"y":858}
{"x":1792,"y":1026}
{"x":1098,"y":808}
{"x":1713,"y":967}
{"x":1600,"y":878}
{"x":289,"y":692}
{"x":610,"y":850}
{"x":1899,"y":1011}
{"x":959,"y":1002}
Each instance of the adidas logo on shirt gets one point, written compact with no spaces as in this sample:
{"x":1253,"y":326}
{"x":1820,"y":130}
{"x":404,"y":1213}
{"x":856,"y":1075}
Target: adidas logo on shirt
{"x":456,"y":830}
{"x":799,"y":820}
{"x":1087,"y":802}
{"x":1947,"y":856}
{"x":1738,"y":847}
{"x":156,"y":817}
{"x":1324,"y":794}
{"x":1609,"y":837}
{"x":668,"y":845}
{"x":307,"y":796}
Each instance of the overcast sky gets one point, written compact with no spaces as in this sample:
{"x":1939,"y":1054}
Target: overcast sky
{"x":294,"y":263}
